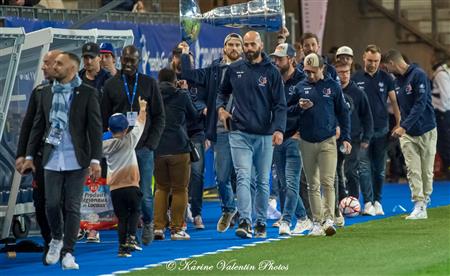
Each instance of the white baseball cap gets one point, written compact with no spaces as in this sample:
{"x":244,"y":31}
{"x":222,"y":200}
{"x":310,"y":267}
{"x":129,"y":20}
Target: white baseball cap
{"x":344,"y":50}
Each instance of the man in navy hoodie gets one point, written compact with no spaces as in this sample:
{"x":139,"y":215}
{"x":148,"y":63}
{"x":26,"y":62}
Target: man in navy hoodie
{"x":257,"y":120}
{"x":209,"y":78}
{"x":317,"y":127}
{"x":417,"y":131}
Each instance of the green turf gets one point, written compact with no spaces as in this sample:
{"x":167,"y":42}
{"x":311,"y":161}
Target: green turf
{"x":391,"y":246}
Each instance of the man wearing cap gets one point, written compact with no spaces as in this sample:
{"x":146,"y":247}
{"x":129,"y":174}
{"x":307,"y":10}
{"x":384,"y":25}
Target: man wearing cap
{"x":344,"y":54}
{"x":215,"y":130}
{"x":378,"y":86}
{"x":417,"y":131}
{"x":286,"y":156}
{"x":92,"y":73}
{"x":121,"y":94}
{"x":317,"y":127}
{"x":257,"y":120}
{"x":108,"y":58}
{"x":310,"y":43}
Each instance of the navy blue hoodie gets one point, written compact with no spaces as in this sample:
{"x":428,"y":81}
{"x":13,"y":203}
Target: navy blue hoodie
{"x":208,"y":78}
{"x":259,"y":103}
{"x":292,"y":100}
{"x":319,"y":122}
{"x":414,"y":99}
{"x":361,"y":115}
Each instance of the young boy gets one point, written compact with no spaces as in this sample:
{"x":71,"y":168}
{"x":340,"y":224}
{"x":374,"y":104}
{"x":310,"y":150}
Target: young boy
{"x":123,"y":176}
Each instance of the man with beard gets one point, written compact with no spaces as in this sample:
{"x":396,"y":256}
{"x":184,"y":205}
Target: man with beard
{"x":257,"y":121}
{"x":38,"y":176}
{"x":215,"y":130}
{"x":69,"y":121}
{"x":378,"y":86}
{"x":287,"y":159}
{"x":121,"y":95}
{"x":92,"y":73}
{"x":310,"y":43}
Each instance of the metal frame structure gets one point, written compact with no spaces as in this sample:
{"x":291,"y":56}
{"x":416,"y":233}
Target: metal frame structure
{"x":14,"y":42}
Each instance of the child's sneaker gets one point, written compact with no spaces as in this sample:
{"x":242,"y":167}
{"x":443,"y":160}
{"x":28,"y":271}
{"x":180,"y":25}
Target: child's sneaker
{"x":124,"y":251}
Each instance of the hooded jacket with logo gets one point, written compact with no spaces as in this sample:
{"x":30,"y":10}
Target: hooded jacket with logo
{"x":319,"y":122}
{"x":259,"y":102}
{"x":414,"y":99}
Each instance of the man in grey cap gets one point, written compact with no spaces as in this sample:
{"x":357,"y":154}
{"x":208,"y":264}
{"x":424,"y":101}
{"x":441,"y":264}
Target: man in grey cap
{"x":216,"y":132}
{"x":286,"y":156}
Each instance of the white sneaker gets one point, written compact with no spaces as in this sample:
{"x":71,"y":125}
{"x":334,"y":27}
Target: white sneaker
{"x":301,"y":227}
{"x":328,"y":227}
{"x":369,"y":210}
{"x":54,"y":251}
{"x":68,"y":262}
{"x":339,"y":221}
{"x":284,"y":229}
{"x":419,"y":212}
{"x":378,"y":209}
{"x":180,"y":235}
{"x":272,"y":212}
{"x":317,"y":230}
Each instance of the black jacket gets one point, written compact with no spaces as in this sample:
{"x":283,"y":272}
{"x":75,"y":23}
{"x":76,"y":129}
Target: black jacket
{"x":115,"y":100}
{"x":85,"y":125}
{"x":178,"y":106}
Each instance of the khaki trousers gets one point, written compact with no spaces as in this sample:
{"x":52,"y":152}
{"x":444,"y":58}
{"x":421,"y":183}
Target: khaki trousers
{"x":419,"y":153}
{"x":319,"y":164}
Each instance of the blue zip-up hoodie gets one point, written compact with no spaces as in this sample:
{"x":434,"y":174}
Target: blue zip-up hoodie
{"x":292,"y":100}
{"x":414,"y":99}
{"x":360,"y":113}
{"x":319,"y":122}
{"x":259,"y":103}
{"x":209,"y":78}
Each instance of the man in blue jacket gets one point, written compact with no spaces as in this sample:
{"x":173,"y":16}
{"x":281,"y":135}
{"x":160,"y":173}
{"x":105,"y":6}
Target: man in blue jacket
{"x":257,"y":120}
{"x":317,"y":127}
{"x":209,"y":78}
{"x":417,"y":131}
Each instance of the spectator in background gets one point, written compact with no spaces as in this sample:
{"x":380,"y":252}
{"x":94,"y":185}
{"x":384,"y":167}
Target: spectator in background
{"x":441,"y":103}
{"x":128,"y":5}
{"x":27,"y":3}
{"x":108,"y":58}
{"x":417,"y":130}
{"x":172,"y":162}
{"x":300,"y":55}
{"x":121,"y":94}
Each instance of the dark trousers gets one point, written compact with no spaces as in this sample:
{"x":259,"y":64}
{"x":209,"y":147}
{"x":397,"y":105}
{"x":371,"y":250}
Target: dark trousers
{"x":39,"y":200}
{"x":63,"y":193}
{"x":443,"y":139}
{"x":351,"y":170}
{"x":196,"y":182}
{"x":127,"y":207}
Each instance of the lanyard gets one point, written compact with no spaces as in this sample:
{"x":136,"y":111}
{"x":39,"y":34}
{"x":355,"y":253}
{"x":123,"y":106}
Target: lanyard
{"x":127,"y":91}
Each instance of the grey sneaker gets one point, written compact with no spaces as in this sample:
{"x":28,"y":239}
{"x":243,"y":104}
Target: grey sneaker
{"x":147,"y":233}
{"x":224,"y":222}
{"x":68,"y":262}
{"x":54,"y":251}
{"x":198,"y":222}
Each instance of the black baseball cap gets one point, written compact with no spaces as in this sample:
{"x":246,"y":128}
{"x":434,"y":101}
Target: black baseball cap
{"x":90,"y":49}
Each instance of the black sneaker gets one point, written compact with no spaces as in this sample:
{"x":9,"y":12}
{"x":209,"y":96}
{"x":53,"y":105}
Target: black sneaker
{"x":132,"y":244}
{"x":260,"y":230}
{"x":124,"y":251}
{"x":244,"y":230}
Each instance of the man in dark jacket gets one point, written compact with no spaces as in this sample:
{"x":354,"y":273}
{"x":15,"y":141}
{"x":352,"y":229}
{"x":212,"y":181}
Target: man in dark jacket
{"x":317,"y":127}
{"x":121,"y":95}
{"x":257,"y":121}
{"x":417,"y":131}
{"x":210,"y":77}
{"x":361,"y":126}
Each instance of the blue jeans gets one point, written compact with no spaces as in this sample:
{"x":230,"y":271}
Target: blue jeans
{"x":249,"y":150}
{"x":372,"y":167}
{"x":288,"y":164}
{"x":146,"y":163}
{"x":223,"y":165}
{"x":197,"y":176}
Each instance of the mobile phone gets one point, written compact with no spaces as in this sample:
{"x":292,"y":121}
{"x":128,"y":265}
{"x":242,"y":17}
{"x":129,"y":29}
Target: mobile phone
{"x":228,"y":123}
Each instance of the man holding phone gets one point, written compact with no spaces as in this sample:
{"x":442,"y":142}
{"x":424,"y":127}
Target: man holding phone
{"x":317,"y":127}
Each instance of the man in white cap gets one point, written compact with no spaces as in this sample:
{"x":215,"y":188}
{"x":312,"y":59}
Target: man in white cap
{"x":317,"y":127}
{"x":344,"y":54}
